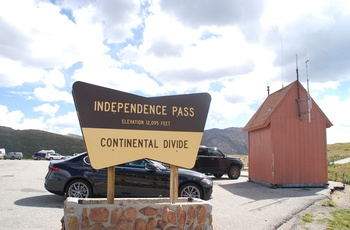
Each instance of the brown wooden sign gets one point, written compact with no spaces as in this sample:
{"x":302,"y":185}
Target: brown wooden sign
{"x":119,"y":127}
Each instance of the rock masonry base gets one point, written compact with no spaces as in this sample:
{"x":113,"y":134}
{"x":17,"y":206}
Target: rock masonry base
{"x":138,"y":214}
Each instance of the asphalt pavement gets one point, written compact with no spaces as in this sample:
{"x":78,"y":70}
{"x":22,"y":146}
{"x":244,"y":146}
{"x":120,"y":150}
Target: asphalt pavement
{"x":25,"y":204}
{"x":237,"y":204}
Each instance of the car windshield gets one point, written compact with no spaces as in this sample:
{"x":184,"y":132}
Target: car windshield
{"x":134,"y":164}
{"x":159,"y":165}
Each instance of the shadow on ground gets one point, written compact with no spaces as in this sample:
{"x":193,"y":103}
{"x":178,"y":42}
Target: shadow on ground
{"x":256,"y":191}
{"x":44,"y":201}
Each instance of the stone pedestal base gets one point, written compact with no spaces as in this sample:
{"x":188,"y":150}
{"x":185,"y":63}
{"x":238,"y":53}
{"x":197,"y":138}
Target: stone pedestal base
{"x":150,"y":213}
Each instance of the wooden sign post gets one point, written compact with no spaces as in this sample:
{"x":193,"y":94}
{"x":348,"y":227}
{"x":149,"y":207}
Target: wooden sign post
{"x":110,"y":184}
{"x":174,"y":183}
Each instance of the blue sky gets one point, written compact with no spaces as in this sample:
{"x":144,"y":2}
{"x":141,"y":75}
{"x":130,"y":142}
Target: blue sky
{"x":230,"y":49}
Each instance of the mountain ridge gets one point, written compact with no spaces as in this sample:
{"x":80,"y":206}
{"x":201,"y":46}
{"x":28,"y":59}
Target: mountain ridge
{"x":231,"y":140}
{"x":30,"y":141}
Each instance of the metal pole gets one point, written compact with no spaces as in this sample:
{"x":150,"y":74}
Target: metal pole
{"x":308,"y":91}
{"x":297,"y":71}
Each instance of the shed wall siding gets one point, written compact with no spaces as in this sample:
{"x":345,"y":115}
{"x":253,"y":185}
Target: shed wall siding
{"x":299,"y":146}
{"x":260,"y":160}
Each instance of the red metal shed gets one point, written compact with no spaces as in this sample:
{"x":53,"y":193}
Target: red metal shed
{"x":287,"y":140}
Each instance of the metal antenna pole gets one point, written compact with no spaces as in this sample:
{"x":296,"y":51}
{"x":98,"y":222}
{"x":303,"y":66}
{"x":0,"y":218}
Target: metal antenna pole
{"x":282,"y":60}
{"x":297,"y":72}
{"x":308,"y":91}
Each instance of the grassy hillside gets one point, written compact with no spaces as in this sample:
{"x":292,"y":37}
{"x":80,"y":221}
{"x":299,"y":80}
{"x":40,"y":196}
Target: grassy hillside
{"x":338,"y":172}
{"x":31,"y":141}
{"x":338,"y":151}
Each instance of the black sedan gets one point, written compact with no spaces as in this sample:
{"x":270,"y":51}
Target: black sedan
{"x":75,"y":177}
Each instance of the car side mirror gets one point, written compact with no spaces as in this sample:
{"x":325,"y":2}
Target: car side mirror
{"x":151,"y":167}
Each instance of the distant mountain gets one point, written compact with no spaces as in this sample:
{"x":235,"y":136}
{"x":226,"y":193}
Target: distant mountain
{"x":230,"y":140}
{"x":30,"y":141}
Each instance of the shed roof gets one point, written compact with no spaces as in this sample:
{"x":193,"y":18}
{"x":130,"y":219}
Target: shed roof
{"x":262,"y":117}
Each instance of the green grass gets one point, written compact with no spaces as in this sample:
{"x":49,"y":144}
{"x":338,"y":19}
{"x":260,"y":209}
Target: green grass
{"x":341,"y":220}
{"x":308,"y":218}
{"x":329,"y":203}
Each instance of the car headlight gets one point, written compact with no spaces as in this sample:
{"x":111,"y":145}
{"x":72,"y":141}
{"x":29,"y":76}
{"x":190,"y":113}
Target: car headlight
{"x":207,"y":181}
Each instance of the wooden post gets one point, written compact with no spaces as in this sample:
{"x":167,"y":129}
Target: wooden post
{"x":110,"y":184}
{"x":174,"y":183}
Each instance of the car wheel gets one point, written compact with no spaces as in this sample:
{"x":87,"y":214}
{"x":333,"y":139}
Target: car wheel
{"x":51,"y":158}
{"x":79,"y":189}
{"x":190,"y":190}
{"x":218,"y":175}
{"x":12,"y":158}
{"x":234,"y":172}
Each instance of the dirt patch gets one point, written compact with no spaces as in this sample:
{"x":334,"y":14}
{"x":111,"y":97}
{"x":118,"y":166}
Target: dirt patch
{"x":320,"y":211}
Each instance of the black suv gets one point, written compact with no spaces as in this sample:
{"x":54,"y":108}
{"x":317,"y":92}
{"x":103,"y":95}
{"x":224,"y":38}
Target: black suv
{"x":38,"y":156}
{"x":210,"y":160}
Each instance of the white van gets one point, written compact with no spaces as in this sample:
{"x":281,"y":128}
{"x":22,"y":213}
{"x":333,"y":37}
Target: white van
{"x":13,"y":155}
{"x":47,"y":151}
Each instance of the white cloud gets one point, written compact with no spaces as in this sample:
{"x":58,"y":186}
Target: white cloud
{"x":107,"y":72}
{"x":16,"y":120}
{"x":223,"y":112}
{"x":13,"y":73}
{"x":51,"y":94}
{"x":338,"y":112}
{"x":8,"y":118}
{"x":33,"y":123}
{"x":65,"y":124}
{"x":322,"y":86}
{"x":47,"y":109}
{"x":54,"y":78}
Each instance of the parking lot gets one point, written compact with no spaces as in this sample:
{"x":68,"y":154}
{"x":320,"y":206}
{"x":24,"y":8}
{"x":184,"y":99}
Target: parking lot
{"x":237,"y":204}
